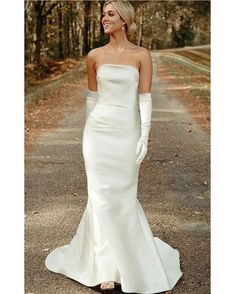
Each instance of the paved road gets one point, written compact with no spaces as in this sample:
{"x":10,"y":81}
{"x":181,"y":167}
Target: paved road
{"x":173,"y":190}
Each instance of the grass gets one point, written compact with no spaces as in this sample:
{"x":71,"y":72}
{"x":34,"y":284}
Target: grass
{"x":202,"y":59}
{"x":203,"y":94}
{"x":183,"y":75}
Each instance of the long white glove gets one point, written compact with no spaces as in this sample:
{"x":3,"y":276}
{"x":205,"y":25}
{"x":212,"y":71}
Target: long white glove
{"x":145,"y":105}
{"x":90,"y":101}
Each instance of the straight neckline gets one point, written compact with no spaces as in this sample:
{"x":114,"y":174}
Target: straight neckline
{"x":131,"y":66}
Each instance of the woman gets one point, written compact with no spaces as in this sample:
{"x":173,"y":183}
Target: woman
{"x":113,"y":242}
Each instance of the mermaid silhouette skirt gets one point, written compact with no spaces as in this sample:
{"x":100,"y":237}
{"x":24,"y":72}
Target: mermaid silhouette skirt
{"x":113,"y":241}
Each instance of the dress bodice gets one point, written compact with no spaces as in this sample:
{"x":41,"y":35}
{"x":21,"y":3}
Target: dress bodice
{"x":117,"y":85}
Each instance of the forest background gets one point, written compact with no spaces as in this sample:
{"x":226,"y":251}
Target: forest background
{"x":59,"y":30}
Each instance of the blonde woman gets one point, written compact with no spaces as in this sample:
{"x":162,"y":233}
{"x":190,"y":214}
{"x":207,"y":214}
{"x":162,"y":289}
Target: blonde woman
{"x":113,"y":242}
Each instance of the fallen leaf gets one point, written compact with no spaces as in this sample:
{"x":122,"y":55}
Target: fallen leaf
{"x":46,"y":249}
{"x":199,"y":197}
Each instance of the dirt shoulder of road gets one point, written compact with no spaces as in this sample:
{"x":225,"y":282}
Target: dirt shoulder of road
{"x":49,"y":99}
{"x":190,"y":86}
{"x":200,"y":110}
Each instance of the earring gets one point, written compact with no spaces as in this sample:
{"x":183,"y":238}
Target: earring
{"x":123,"y":28}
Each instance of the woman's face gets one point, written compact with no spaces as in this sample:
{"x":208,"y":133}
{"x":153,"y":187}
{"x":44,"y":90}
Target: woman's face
{"x":111,"y":20}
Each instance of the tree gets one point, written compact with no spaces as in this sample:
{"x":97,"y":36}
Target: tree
{"x":86,"y":28}
{"x":41,"y":13}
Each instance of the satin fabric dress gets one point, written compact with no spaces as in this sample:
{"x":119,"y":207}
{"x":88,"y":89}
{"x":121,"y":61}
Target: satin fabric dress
{"x":113,"y":241}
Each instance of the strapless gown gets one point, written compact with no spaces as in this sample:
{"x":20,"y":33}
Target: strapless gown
{"x":113,"y":241}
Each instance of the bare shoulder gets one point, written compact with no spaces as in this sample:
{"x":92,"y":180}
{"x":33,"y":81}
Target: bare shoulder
{"x":144,"y":52}
{"x":95,"y":53}
{"x":144,"y":56}
{"x":92,"y":54}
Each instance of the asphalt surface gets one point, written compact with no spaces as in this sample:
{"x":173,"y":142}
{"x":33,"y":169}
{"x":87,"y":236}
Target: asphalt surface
{"x":173,"y":190}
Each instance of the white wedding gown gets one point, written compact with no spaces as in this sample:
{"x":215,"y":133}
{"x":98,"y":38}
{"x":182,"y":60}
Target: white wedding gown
{"x":114,"y":241}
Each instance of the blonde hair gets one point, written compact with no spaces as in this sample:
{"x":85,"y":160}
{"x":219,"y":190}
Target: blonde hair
{"x":126,"y":12}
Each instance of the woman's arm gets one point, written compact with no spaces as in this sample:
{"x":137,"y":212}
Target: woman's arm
{"x":91,"y":71}
{"x":92,"y":83}
{"x":146,"y":71}
{"x":145,"y":103}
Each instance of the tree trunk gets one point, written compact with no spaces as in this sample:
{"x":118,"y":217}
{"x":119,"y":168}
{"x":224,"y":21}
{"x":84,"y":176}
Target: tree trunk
{"x":66,"y":32}
{"x":41,"y":17}
{"x":38,"y":44}
{"x":60,"y":43}
{"x":72,"y":41}
{"x":140,"y":25}
{"x":101,"y":2}
{"x":86,"y":28}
